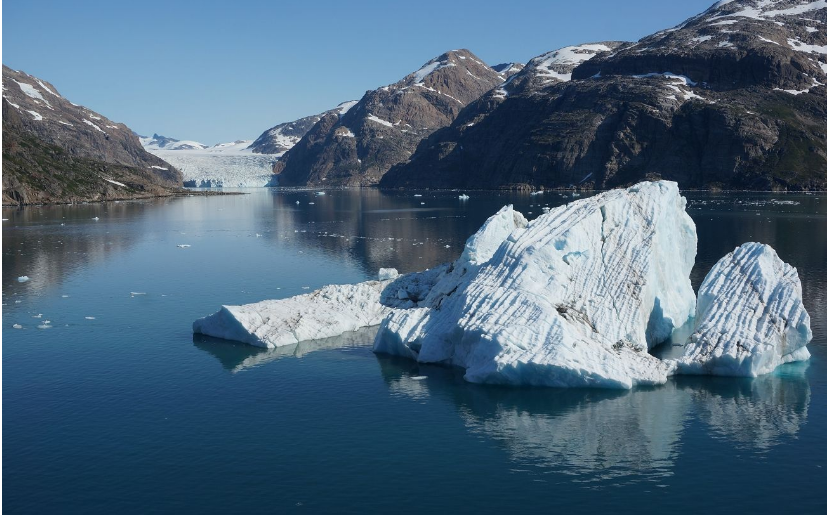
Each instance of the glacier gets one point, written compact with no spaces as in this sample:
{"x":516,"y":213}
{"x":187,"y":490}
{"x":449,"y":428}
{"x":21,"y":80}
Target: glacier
{"x":574,"y":298}
{"x":749,"y":316}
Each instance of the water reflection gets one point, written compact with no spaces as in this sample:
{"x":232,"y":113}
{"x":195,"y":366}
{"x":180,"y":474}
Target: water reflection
{"x":48,"y":243}
{"x":237,"y":357}
{"x":626,"y":436}
{"x":752,"y":413}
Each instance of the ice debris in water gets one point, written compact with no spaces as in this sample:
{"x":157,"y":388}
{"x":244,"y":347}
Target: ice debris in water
{"x":95,"y":218}
{"x":89,"y":318}
{"x":23,"y":278}
{"x":463,"y":197}
{"x":134,"y":293}
{"x":387,"y":273}
{"x":749,"y":316}
{"x":573,"y":298}
{"x":183,"y":246}
{"x":17,"y":326}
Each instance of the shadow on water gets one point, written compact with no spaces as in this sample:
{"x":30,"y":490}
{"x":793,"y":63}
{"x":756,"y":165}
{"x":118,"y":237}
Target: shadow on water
{"x":597,"y":435}
{"x":236,"y":357}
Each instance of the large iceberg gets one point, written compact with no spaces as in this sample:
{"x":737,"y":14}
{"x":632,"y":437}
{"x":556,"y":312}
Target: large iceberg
{"x":574,"y":298}
{"x":749,"y":318}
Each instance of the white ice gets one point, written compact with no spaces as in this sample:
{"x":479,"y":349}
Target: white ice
{"x":327,"y":312}
{"x":574,"y":298}
{"x":749,"y":316}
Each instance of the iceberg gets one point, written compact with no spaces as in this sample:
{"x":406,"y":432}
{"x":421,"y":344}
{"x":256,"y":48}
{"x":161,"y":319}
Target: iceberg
{"x":574,"y":298}
{"x":749,"y":316}
{"x":324,"y":313}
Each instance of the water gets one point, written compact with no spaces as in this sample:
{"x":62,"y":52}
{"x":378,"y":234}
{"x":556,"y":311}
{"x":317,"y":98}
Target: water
{"x":129,"y":412}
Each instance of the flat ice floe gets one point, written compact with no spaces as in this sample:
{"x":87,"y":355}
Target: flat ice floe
{"x":324,"y":313}
{"x":749,"y":318}
{"x":575,"y":298}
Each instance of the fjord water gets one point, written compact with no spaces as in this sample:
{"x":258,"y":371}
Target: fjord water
{"x":114,"y":406}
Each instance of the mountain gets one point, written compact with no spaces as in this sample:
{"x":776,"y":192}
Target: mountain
{"x":57,"y":151}
{"x":281,"y":138}
{"x":157,"y":142}
{"x":508,"y":69}
{"x":734,"y":97}
{"x":357,"y":147}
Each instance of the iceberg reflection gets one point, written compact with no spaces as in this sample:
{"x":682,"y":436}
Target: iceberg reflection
{"x":754,"y":413}
{"x":596,"y":435}
{"x":236,"y":357}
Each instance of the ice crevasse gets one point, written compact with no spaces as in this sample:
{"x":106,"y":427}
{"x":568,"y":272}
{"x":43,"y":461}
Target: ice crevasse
{"x":573,"y":298}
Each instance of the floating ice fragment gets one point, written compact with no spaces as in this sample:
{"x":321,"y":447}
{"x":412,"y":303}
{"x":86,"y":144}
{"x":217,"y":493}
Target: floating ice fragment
{"x":387,"y":273}
{"x":95,"y":218}
{"x":463,"y":197}
{"x":320,"y":193}
{"x":23,"y":278}
{"x":134,"y":293}
{"x":183,"y":246}
{"x":17,"y":326}
{"x":297,"y":202}
{"x":39,"y":315}
{"x":89,"y":318}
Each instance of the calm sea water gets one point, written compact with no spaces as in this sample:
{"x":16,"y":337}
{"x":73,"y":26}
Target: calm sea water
{"x":115,"y":407}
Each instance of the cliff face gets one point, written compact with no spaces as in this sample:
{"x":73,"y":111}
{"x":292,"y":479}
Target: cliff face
{"x":357,"y":147}
{"x":57,"y":151}
{"x":734,"y":98}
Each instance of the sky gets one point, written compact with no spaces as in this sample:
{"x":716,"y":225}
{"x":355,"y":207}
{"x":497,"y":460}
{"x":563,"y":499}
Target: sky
{"x":221,"y":71}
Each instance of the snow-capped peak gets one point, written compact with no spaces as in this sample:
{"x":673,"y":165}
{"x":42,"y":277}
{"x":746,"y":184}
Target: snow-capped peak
{"x":558,"y":64}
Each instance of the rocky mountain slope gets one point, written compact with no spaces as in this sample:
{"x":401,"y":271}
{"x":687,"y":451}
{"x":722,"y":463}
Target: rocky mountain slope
{"x":732,"y":98}
{"x":281,"y":138}
{"x":57,"y":151}
{"x":357,"y":147}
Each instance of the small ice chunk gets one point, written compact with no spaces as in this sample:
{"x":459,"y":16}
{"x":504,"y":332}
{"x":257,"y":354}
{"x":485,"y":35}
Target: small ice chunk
{"x":23,"y":278}
{"x":89,"y":318}
{"x":387,"y":273}
{"x":463,"y":197}
{"x":17,"y":326}
{"x":183,"y":246}
{"x":95,"y":218}
{"x":134,"y":293}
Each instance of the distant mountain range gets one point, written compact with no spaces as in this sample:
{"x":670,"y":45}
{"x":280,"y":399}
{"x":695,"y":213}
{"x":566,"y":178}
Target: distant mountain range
{"x":733,"y":98}
{"x":57,"y":151}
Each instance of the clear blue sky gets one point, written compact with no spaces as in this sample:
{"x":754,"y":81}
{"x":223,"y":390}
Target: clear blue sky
{"x":220,"y":71}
